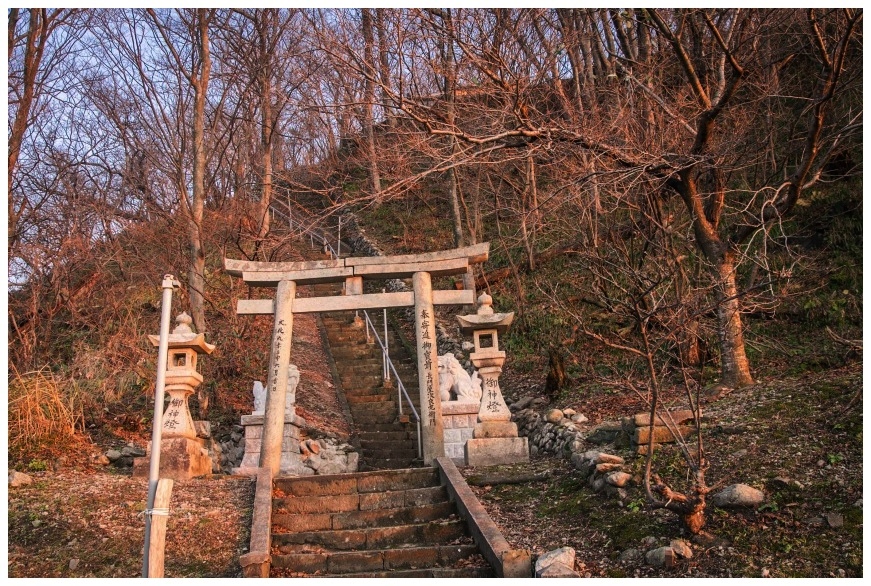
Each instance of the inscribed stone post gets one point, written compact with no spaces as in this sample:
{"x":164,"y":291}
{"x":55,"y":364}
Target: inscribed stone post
{"x":276,"y":390}
{"x":432,"y":428}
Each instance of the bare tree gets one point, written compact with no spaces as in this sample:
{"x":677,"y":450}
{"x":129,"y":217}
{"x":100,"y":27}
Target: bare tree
{"x":37,"y":44}
{"x":259,"y":49}
{"x":684,"y":118}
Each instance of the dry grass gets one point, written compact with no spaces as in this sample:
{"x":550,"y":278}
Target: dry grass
{"x":45,"y":413}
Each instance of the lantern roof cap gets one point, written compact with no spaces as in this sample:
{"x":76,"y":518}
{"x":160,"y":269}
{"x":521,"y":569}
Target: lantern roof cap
{"x":184,"y":337}
{"x":485,"y":318}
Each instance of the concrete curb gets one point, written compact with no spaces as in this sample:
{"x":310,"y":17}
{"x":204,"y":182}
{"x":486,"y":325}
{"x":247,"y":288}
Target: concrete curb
{"x":507,"y":562}
{"x":256,"y":563}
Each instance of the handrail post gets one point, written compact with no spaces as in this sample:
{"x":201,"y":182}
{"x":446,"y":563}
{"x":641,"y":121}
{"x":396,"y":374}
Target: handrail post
{"x":386,"y":345}
{"x":419,"y":447}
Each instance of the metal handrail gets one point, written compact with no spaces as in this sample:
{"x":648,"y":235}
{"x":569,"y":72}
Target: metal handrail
{"x":387,"y":362}
{"x":400,"y":386}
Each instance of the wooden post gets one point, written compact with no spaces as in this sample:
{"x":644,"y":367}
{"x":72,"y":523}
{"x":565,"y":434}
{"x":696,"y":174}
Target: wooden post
{"x":432,"y":429}
{"x":276,"y":393}
{"x":159,"y":518}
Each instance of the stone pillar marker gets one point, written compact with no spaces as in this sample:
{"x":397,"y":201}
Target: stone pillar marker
{"x":276,"y":388}
{"x":494,"y":439}
{"x":182,"y":454}
{"x":432,"y":428}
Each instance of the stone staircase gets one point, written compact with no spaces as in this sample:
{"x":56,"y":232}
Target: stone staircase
{"x":387,"y":439}
{"x":390,"y":523}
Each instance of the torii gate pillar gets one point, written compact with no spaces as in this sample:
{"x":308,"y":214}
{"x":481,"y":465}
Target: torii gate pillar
{"x":432,"y":429}
{"x":279,"y":360}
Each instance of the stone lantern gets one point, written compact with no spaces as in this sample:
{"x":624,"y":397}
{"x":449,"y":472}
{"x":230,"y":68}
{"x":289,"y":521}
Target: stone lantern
{"x":182,"y":454}
{"x":494,"y":439}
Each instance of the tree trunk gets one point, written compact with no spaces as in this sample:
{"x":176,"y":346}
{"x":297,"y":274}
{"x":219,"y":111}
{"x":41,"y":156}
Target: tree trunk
{"x":34,"y":46}
{"x":384,"y":66}
{"x":734,"y":366}
{"x":266,"y":143}
{"x":695,"y":519}
{"x":369,"y":99}
{"x":200,"y":83}
{"x":449,"y":83}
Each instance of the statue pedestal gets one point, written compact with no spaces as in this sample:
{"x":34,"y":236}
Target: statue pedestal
{"x":459,"y":419}
{"x":181,"y":458}
{"x":291,"y":459}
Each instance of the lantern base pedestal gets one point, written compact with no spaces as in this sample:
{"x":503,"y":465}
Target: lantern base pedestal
{"x":181,"y":458}
{"x":497,"y":450}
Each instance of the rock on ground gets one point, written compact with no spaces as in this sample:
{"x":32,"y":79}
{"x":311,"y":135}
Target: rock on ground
{"x":681,"y":548}
{"x":17,"y":479}
{"x":559,"y":570}
{"x":738,"y":495}
{"x":564,"y":556}
{"x":554,"y":416}
{"x":661,"y":557}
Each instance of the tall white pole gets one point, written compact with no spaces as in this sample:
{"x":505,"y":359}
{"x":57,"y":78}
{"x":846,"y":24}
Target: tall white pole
{"x":169,"y":283}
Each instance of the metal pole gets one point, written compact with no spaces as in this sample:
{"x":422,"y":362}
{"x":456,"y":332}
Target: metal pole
{"x":386,"y":345}
{"x":169,"y":283}
{"x":289,"y":215}
{"x":339,"y":239}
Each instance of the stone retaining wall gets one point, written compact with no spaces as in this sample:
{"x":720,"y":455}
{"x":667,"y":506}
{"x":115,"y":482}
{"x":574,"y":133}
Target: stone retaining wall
{"x":563,"y":437}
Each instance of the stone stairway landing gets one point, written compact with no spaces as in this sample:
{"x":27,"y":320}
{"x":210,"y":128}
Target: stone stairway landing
{"x":390,"y":523}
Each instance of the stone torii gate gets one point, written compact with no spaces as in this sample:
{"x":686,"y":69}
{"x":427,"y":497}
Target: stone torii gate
{"x":285,"y":276}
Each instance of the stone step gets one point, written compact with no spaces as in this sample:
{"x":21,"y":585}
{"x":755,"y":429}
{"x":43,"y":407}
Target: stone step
{"x":398,"y":458}
{"x":375,"y":464}
{"x":361,"y":382}
{"x":283,"y":522}
{"x":355,"y":399}
{"x":374,"y":362}
{"x":387,"y":406}
{"x":369,"y":537}
{"x":358,"y":367}
{"x":370,"y":409}
{"x":368,"y":419}
{"x":391,"y":427}
{"x":346,"y":339}
{"x":387,"y":415}
{"x":387,"y":435}
{"x":364,"y":392}
{"x":387,"y":446}
{"x":367,"y":501}
{"x":362,"y":351}
{"x":352,"y":562}
{"x":462,"y":572}
{"x":357,"y":483}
